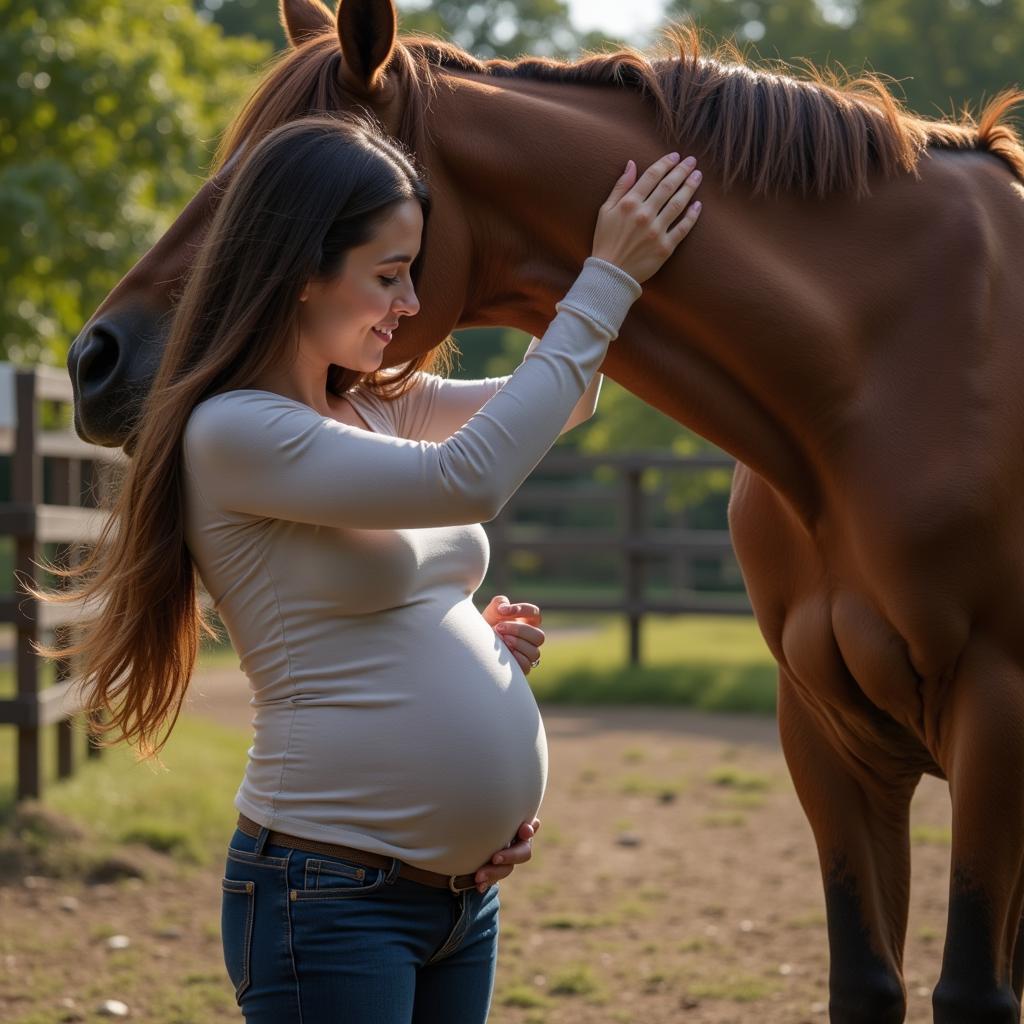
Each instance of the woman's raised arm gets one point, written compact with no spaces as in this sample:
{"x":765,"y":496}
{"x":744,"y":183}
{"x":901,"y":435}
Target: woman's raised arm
{"x":260,"y":454}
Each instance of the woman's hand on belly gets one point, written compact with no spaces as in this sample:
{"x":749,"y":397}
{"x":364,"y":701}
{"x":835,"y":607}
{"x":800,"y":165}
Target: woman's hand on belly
{"x":518,"y":852}
{"x":519,"y":626}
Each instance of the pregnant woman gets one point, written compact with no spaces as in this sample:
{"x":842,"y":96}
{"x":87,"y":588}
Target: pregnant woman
{"x":333,"y":513}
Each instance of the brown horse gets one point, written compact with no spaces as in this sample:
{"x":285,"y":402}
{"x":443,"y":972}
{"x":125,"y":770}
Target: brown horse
{"x":846,"y":320}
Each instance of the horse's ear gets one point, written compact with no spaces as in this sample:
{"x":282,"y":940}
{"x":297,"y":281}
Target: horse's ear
{"x":302,"y":19}
{"x":367,"y":30}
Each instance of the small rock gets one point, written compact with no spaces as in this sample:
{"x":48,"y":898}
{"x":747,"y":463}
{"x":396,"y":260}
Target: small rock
{"x":785,"y":968}
{"x":172,"y":931}
{"x":118,"y":942}
{"x":33,"y":882}
{"x":68,"y":1003}
{"x":746,"y":925}
{"x":112,"y":1008}
{"x":628,"y":839}
{"x":68,"y":903}
{"x":819,"y":1007}
{"x":689,"y":1003}
{"x":161,"y":952}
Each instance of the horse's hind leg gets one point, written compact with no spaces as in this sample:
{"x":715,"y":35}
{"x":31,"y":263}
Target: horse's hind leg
{"x":981,"y":746}
{"x":861,"y":826}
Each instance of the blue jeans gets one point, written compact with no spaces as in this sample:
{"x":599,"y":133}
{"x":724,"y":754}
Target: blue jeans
{"x":312,"y":939}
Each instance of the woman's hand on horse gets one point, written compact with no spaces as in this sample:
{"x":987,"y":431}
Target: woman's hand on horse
{"x":518,"y":626}
{"x":520,"y":851}
{"x":635,"y":223}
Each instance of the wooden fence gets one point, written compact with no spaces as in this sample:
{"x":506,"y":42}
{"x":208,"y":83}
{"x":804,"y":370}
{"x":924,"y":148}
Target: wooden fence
{"x":634,"y":540}
{"x":54,"y":477}
{"x":57,"y":482}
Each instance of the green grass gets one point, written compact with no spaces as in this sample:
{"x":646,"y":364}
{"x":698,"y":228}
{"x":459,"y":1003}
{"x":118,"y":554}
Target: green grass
{"x":711,"y":662}
{"x":183,"y":809}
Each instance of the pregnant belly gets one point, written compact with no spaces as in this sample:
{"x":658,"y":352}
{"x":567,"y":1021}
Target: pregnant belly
{"x":436,"y":760}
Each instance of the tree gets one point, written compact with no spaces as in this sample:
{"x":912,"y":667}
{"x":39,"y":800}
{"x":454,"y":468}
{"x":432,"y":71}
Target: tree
{"x":485,"y":28}
{"x":939,"y":55}
{"x":107,"y":124}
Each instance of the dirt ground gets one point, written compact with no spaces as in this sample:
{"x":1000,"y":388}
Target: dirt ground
{"x":674,"y":879}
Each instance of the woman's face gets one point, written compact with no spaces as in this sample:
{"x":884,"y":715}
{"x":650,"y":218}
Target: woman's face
{"x":339,"y":319}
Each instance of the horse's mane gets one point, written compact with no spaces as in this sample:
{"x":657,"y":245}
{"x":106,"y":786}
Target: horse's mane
{"x":762,"y":127}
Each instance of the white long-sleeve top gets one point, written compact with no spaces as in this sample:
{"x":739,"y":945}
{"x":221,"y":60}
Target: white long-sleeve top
{"x":388,"y":715}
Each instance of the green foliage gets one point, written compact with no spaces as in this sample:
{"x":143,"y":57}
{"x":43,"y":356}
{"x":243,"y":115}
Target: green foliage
{"x":108,"y":117}
{"x":498,"y":28}
{"x":486,"y":28}
{"x":942,"y":53}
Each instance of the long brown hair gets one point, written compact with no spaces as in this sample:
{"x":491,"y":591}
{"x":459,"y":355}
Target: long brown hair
{"x":300,"y":198}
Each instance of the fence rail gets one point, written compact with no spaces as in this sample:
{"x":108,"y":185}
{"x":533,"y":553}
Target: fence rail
{"x":637,"y":543}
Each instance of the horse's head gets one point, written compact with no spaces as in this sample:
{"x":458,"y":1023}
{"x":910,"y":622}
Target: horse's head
{"x":334,"y":62}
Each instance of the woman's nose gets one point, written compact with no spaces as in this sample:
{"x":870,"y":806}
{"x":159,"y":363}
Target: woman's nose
{"x":410,"y":304}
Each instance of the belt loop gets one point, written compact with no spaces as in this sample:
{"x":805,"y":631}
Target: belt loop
{"x":392,"y":874}
{"x":261,"y":839}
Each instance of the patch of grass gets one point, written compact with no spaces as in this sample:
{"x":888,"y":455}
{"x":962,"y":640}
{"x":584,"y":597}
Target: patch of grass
{"x":711,"y":662}
{"x":653,"y":893}
{"x":631,"y":909}
{"x":183,"y":808}
{"x":577,"y":922}
{"x":931,"y":835}
{"x":811,"y":919}
{"x":522,"y":997}
{"x":744,"y":799}
{"x":640,"y":785}
{"x":164,"y":836}
{"x":579,"y":980}
{"x":738,"y":988}
{"x":736,"y":778}
{"x":724,"y":819}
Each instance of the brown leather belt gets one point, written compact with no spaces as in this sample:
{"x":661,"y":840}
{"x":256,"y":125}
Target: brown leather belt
{"x":456,"y":883}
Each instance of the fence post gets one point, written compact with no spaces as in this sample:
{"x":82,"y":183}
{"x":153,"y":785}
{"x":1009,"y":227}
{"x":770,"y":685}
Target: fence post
{"x":65,"y":489}
{"x":26,"y":491}
{"x":499,"y":553}
{"x":634,"y":526}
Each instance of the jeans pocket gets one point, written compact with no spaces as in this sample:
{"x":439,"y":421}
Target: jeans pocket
{"x":236,"y":919}
{"x":327,"y":878}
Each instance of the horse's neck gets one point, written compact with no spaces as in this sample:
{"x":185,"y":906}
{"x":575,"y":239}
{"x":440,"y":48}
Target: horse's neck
{"x":732,"y":338}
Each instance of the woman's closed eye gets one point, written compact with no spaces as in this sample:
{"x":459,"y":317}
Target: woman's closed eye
{"x":390,"y":280}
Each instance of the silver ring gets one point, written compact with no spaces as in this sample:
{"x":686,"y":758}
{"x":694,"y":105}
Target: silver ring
{"x":534,"y":664}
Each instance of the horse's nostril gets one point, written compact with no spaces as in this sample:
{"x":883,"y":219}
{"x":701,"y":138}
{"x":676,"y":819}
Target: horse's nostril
{"x":97,"y":355}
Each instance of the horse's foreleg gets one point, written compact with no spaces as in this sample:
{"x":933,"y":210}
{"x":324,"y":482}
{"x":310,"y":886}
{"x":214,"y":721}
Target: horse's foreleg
{"x":861,"y":827}
{"x":981,"y":745}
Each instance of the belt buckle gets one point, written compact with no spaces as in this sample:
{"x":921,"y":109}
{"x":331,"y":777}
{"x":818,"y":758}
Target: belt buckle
{"x":465,"y":888}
